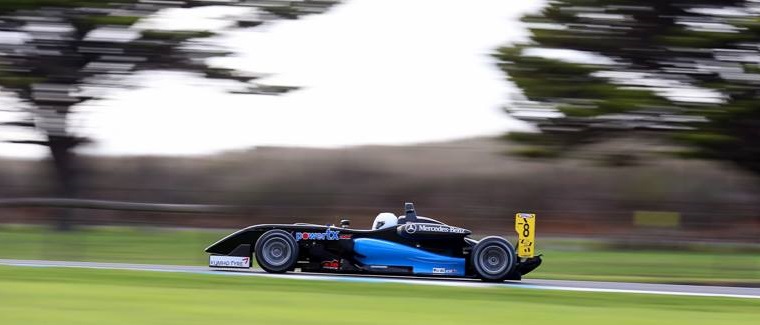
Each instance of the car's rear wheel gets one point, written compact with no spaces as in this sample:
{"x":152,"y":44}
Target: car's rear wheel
{"x":493,"y":258}
{"x":276,"y":251}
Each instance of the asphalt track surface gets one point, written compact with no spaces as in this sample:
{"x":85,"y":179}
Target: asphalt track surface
{"x":537,"y":284}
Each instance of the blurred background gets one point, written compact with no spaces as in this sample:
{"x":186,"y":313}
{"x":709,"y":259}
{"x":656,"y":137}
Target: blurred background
{"x":142,"y":131}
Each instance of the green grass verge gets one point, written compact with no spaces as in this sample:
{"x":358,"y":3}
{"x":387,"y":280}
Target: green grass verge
{"x":563,"y":259}
{"x":108,"y":244}
{"x":79,"y":297}
{"x":652,"y":266}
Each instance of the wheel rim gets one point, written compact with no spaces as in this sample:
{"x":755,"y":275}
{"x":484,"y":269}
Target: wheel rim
{"x":494,"y":259}
{"x":276,"y":251}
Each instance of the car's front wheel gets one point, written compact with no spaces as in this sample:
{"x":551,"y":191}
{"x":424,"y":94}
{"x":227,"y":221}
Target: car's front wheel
{"x":493,"y":258}
{"x":276,"y":251}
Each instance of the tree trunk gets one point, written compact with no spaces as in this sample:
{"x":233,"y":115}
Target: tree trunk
{"x":66,"y":186}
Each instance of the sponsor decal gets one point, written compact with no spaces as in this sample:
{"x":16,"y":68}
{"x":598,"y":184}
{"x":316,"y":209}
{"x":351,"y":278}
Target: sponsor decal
{"x":345,"y":236}
{"x":331,"y":265}
{"x":443,"y":270}
{"x":229,"y":261}
{"x":444,"y":229}
{"x":413,"y":228}
{"x":327,"y":235}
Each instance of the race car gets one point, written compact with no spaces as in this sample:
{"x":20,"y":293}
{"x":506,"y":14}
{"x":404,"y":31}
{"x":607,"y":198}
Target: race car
{"x":406,"y":245}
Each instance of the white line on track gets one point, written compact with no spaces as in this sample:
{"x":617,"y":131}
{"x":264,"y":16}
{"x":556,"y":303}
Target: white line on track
{"x":579,"y":286}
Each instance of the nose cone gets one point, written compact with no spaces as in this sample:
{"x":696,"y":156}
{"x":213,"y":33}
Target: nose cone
{"x":217,"y":248}
{"x":227,"y":244}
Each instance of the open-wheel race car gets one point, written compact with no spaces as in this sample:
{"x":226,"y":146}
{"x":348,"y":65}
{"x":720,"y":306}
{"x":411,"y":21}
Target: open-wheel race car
{"x":405,"y":245}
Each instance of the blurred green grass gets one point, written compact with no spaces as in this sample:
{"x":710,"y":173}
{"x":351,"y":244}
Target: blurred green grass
{"x":580,"y":259}
{"x":108,"y":244}
{"x":652,"y":266}
{"x":86,"y":296}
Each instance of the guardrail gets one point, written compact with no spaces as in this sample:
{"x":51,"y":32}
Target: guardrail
{"x":116,"y":205}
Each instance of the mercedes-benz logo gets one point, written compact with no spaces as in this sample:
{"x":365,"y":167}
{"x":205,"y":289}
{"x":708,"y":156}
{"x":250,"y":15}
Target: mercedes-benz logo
{"x":410,"y":229}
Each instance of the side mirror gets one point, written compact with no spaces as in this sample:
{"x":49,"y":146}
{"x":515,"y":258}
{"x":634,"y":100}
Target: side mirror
{"x":345,"y":223}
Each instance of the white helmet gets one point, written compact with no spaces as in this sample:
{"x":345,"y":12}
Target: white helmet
{"x":385,"y":220}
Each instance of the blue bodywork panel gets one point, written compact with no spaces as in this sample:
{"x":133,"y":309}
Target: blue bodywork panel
{"x":385,"y":253}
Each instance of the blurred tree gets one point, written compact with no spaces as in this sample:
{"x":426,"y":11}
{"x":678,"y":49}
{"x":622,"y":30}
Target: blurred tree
{"x":596,"y":69}
{"x":55,"y":54}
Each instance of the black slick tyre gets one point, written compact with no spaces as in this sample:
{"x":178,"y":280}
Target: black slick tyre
{"x":276,"y":251}
{"x":493,"y":258}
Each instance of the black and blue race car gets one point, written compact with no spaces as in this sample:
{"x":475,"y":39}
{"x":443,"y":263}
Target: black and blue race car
{"x":405,"y":245}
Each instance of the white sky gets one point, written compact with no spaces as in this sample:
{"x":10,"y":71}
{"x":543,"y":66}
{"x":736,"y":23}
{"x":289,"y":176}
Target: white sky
{"x":373,"y":72}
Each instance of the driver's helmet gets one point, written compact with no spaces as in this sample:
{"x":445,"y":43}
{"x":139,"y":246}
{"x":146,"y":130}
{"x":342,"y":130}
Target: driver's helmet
{"x":385,"y":220}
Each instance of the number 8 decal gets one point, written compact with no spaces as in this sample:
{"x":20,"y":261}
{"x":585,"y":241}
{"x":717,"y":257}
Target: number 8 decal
{"x":525,"y":225}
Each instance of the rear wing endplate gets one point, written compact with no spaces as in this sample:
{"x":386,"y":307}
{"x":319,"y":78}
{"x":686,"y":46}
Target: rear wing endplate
{"x":525,"y":226}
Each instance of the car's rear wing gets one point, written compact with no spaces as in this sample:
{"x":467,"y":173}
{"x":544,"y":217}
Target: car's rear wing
{"x":525,"y":226}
